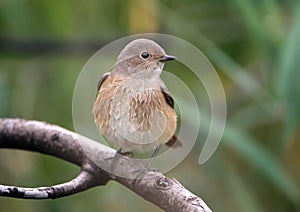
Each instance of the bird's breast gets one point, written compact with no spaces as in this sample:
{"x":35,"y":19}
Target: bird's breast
{"x":138,"y":114}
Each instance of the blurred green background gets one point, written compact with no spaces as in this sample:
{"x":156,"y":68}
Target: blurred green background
{"x":254,"y":46}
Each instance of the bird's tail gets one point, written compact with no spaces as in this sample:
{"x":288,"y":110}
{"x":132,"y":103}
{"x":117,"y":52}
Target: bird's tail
{"x":174,"y":142}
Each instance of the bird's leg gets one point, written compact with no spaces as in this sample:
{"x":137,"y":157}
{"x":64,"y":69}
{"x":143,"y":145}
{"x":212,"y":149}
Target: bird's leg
{"x":142,"y":172}
{"x":154,"y":154}
{"x":117,"y":157}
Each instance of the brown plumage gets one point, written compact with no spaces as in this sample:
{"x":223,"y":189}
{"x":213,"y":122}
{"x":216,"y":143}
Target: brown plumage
{"x":134,"y":108}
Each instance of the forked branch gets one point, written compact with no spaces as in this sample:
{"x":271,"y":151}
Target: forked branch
{"x":94,"y":160}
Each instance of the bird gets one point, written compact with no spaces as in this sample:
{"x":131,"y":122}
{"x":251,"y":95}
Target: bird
{"x":133,"y":108}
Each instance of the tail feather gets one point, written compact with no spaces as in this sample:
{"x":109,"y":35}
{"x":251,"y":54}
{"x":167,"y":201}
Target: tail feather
{"x":174,"y":142}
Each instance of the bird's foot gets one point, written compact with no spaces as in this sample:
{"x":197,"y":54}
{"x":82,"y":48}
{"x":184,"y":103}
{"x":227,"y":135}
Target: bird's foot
{"x":128,"y":154}
{"x":140,"y":173}
{"x":117,"y":157}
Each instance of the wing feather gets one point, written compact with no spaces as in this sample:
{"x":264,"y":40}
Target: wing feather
{"x":102,"y":79}
{"x":174,"y":141}
{"x":167,"y":94}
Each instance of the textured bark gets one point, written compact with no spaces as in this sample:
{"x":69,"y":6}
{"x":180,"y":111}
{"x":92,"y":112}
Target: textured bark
{"x":94,"y":159}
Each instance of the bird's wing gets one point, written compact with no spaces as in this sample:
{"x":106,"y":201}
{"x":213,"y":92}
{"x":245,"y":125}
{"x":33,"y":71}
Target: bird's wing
{"x":174,"y":141}
{"x":102,"y":79}
{"x":166,"y":94}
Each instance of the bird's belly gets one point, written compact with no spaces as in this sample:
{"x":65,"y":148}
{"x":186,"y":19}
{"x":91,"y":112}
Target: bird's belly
{"x":140,"y":121}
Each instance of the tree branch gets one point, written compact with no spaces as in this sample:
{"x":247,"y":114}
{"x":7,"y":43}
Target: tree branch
{"x":94,"y":159}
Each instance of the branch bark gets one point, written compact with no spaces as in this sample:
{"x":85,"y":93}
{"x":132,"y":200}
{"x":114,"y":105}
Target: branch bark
{"x":95,"y":161}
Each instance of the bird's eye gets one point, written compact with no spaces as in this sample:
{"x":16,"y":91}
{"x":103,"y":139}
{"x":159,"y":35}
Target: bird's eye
{"x":145,"y":55}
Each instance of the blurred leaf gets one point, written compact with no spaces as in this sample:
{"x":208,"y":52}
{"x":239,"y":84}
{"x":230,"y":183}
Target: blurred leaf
{"x":252,"y":20}
{"x":59,"y":17}
{"x":268,"y":165}
{"x":145,"y":9}
{"x":235,"y":72}
{"x":259,"y":157}
{"x":288,"y":78}
{"x":240,"y":191}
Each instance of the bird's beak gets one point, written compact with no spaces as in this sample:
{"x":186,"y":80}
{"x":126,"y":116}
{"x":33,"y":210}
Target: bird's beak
{"x":166,"y":58}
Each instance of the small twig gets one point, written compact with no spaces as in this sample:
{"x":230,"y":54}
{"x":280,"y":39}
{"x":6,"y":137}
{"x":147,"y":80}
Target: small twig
{"x":95,"y":161}
{"x":80,"y":183}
